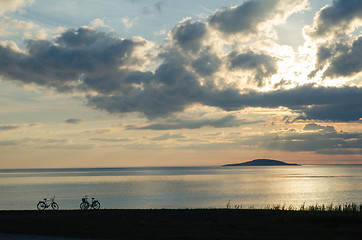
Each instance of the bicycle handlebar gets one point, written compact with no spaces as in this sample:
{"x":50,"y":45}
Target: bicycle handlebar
{"x":86,"y":197}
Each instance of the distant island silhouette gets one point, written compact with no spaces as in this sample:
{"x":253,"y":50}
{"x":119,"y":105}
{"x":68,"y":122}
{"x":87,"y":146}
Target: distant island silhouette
{"x":262,"y":162}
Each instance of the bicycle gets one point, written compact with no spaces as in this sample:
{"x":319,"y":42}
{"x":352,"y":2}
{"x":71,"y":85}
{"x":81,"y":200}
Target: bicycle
{"x":85,"y":204}
{"x":47,"y":203}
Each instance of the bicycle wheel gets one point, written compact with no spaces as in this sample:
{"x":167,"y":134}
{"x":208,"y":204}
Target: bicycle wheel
{"x":96,"y":205}
{"x":84,"y":205}
{"x":41,"y":205}
{"x":55,"y":206}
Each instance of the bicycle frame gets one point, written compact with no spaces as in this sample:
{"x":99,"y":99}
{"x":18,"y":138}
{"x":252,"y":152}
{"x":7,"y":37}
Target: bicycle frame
{"x":86,"y":204}
{"x":42,"y":205}
{"x":48,"y":201}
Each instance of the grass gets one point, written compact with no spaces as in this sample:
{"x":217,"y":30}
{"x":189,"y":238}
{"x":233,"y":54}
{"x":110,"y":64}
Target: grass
{"x":233,"y":222}
{"x":347,"y":207}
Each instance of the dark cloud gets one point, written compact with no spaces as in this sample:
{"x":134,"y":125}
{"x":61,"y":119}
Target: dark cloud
{"x":82,"y":54}
{"x":189,"y":35}
{"x":167,"y":136}
{"x":8,"y":127}
{"x":243,"y":18}
{"x":174,"y":86}
{"x":39,"y":141}
{"x":73,"y":121}
{"x":336,"y":20}
{"x":9,"y":143}
{"x":14,"y":127}
{"x":341,"y":59}
{"x":247,"y":17}
{"x":158,"y":5}
{"x":346,"y":63}
{"x":207,"y":63}
{"x":323,"y":103}
{"x":261,"y":65}
{"x":282,"y":83}
{"x":170,"y":89}
{"x":344,"y":111}
{"x":334,"y":23}
{"x":317,"y":127}
{"x":96,"y":131}
{"x":224,"y":122}
{"x":323,"y":54}
{"x":101,"y":65}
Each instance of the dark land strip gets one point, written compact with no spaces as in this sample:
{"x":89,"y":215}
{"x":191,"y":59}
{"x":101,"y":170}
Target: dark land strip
{"x":174,"y":224}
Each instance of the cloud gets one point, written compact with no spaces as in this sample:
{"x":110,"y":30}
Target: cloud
{"x":207,"y":63}
{"x":323,"y":103}
{"x":96,"y":131}
{"x":96,"y":23}
{"x":167,"y":136}
{"x":87,"y":60}
{"x":336,"y":20}
{"x":340,"y":151}
{"x":345,"y":62}
{"x":317,"y":127}
{"x":158,"y":5}
{"x":338,"y":51}
{"x":112,"y":139}
{"x":292,"y":140}
{"x":262,"y":66}
{"x":9,"y":143}
{"x":14,"y":127}
{"x":170,"y":89}
{"x":189,"y":35}
{"x":112,"y":73}
{"x":224,"y":122}
{"x":321,"y":141}
{"x":8,"y":127}
{"x":85,"y":55}
{"x":128,"y":23}
{"x":339,"y":59}
{"x":73,"y":121}
{"x":10,"y":26}
{"x":31,"y":141}
{"x":69,"y":146}
{"x":249,"y":17}
{"x":12,"y":5}
{"x":336,"y":112}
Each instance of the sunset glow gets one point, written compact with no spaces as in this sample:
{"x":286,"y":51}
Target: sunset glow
{"x":174,"y":83}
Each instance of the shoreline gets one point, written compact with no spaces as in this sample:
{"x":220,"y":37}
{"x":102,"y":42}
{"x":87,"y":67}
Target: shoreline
{"x":183,"y":224}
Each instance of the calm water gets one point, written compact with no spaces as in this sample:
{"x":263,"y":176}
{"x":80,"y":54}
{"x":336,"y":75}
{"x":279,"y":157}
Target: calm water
{"x":183,"y":187}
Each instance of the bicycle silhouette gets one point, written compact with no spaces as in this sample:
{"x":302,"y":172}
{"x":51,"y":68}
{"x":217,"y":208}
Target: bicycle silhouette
{"x":47,"y":203}
{"x":85,"y":204}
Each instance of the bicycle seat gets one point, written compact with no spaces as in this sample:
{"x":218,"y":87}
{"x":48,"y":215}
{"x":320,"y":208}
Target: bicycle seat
{"x":93,"y":198}
{"x":45,"y":199}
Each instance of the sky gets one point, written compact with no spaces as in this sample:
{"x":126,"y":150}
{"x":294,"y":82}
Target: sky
{"x":90,"y":83}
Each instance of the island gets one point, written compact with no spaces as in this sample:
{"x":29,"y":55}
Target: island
{"x":262,"y":162}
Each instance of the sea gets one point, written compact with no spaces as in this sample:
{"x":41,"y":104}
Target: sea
{"x":183,"y":187}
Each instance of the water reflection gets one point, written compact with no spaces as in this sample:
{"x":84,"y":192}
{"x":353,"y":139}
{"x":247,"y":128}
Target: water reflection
{"x":188,"y":187}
